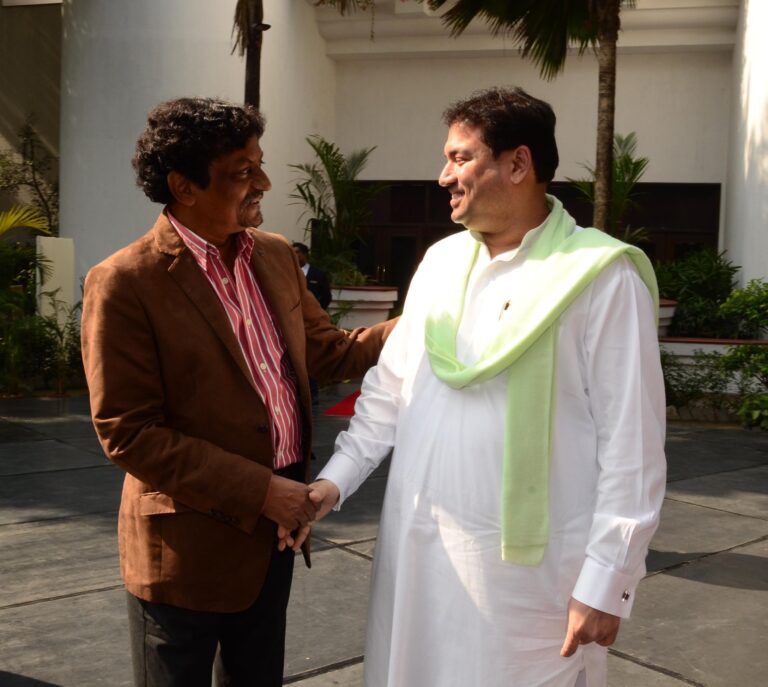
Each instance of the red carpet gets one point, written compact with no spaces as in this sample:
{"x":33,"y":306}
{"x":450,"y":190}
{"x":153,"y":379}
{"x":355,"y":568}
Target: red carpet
{"x":344,"y":408}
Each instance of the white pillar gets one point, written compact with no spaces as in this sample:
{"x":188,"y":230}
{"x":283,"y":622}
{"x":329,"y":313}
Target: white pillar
{"x":119,"y":59}
{"x":746,"y":214}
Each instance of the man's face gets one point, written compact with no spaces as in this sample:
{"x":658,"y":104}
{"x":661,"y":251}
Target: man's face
{"x":480,"y":192}
{"x":232,"y":199}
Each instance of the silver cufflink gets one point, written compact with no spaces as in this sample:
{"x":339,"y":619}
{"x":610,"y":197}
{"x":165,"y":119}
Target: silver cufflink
{"x":625,"y":596}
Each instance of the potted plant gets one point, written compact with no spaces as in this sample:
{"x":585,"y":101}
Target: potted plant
{"x":337,"y":207}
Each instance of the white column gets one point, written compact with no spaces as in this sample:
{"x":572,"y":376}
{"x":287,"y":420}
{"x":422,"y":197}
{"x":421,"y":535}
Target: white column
{"x":745,"y":234}
{"x":119,"y":59}
{"x":122,"y":58}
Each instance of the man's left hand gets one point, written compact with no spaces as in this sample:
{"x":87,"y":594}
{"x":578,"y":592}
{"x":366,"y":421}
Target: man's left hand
{"x":586,"y":625}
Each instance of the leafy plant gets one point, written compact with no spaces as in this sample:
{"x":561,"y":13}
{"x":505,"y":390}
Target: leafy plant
{"x":703,"y":380}
{"x":28,"y":171}
{"x":754,"y":412}
{"x":337,"y":206}
{"x":700,"y":283}
{"x":748,"y":308}
{"x":628,"y":169}
{"x":22,"y":216}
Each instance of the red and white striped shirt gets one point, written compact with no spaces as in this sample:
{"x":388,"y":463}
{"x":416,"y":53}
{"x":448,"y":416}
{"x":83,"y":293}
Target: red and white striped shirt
{"x":258,"y":335}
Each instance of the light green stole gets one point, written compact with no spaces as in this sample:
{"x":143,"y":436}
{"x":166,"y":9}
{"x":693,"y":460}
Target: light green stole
{"x":558,"y":267}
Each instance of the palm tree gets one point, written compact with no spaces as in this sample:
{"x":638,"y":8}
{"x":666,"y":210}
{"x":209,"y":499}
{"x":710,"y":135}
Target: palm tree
{"x":248,"y":29}
{"x":545,"y":29}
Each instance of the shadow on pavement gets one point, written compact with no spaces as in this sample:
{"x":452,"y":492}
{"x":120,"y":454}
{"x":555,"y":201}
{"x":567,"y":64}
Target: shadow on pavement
{"x":14,"y":680}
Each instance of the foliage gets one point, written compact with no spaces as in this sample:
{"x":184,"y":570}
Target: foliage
{"x":748,"y":307}
{"x":703,"y":380}
{"x":700,"y":283}
{"x":750,"y":363}
{"x":628,"y":169}
{"x":22,"y":216}
{"x":35,"y":351}
{"x":28,"y":171}
{"x":754,"y":412}
{"x":337,"y":206}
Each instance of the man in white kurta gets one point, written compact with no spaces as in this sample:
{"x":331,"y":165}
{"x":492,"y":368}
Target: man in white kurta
{"x":445,"y":608}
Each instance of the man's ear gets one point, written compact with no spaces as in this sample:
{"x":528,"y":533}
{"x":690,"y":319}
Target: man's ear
{"x":520,"y":164}
{"x":181,"y":188}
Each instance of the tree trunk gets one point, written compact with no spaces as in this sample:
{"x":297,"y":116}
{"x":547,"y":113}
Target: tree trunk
{"x":608,"y":32}
{"x":256,"y":30}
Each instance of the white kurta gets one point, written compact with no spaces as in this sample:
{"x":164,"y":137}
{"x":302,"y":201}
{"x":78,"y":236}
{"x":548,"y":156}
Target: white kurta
{"x":445,"y":609}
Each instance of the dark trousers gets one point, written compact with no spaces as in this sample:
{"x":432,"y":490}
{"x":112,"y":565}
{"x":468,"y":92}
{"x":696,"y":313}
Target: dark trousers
{"x":175,"y":647}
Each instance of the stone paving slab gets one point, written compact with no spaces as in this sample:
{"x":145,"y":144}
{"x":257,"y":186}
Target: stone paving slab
{"x":621,"y":673}
{"x":688,"y":531}
{"x":46,"y":495}
{"x":78,"y":641}
{"x":327,"y":612}
{"x":625,"y":673}
{"x":23,"y":457}
{"x":12,"y":432}
{"x":53,"y":558}
{"x":63,"y":428}
{"x":693,"y":452}
{"x":348,"y":676}
{"x":742,"y":491}
{"x":706,"y":620}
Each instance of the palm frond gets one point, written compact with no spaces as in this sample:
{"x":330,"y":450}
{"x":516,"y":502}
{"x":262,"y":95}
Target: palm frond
{"x":23,"y":216}
{"x":544,"y":29}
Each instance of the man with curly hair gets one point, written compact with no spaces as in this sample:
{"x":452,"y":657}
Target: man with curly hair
{"x":198,"y":339}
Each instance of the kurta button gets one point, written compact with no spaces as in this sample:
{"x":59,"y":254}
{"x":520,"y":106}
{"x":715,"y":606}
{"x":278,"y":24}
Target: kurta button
{"x":263,"y":429}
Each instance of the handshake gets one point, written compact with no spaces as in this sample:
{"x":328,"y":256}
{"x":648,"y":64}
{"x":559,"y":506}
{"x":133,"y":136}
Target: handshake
{"x":295,"y":507}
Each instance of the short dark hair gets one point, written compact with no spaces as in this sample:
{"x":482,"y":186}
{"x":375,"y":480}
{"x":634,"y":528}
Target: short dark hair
{"x":508,"y":118}
{"x":301,"y":247}
{"x":186,"y":135}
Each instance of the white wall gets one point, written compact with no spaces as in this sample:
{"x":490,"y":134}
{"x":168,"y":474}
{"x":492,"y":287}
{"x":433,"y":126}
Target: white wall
{"x":119,"y":60}
{"x":678,"y":103}
{"x":297,"y":97}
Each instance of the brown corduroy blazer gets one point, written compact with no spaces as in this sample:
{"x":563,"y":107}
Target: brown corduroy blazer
{"x":174,"y":406}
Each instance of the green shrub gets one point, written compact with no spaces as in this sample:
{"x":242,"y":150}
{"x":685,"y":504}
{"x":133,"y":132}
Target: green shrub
{"x":754,"y":411}
{"x":748,"y":307}
{"x":700,"y":283}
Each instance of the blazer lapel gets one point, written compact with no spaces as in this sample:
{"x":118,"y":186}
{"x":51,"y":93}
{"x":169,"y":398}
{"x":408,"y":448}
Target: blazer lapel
{"x":185,"y":271}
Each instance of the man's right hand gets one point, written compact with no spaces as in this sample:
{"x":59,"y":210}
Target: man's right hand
{"x":288,"y":503}
{"x":325,"y":495}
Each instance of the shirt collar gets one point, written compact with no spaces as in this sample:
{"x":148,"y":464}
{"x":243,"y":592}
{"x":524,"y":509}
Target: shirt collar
{"x":201,"y":248}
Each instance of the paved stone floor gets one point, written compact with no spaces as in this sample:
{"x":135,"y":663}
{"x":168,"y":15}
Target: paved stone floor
{"x":701,"y":617}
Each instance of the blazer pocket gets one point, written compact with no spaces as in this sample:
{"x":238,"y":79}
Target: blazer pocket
{"x":157,"y":503}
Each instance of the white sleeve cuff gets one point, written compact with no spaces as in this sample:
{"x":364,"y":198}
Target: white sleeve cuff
{"x":605,"y":589}
{"x":345,"y":474}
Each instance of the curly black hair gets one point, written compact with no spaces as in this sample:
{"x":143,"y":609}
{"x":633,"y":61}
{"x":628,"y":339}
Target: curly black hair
{"x":186,"y":135}
{"x":508,"y":118}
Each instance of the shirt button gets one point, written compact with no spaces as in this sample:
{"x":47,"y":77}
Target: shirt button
{"x":277,"y":411}
{"x":248,"y":323}
{"x":625,"y":595}
{"x":263,"y":366}
{"x":225,"y":281}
